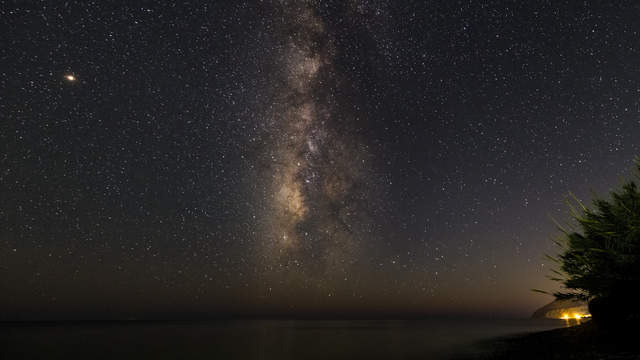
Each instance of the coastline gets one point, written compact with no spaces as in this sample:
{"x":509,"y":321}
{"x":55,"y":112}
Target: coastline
{"x":584,"y":341}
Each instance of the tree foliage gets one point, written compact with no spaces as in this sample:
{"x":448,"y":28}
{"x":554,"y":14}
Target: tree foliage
{"x":601,"y":259}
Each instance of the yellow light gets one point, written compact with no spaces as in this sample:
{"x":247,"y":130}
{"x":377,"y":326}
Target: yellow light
{"x":565,"y":316}
{"x":70,"y":77}
{"x":577,"y":316}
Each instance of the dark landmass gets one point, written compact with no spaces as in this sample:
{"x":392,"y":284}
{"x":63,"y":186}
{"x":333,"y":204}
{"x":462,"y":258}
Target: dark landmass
{"x":559,"y":307}
{"x":585,"y":341}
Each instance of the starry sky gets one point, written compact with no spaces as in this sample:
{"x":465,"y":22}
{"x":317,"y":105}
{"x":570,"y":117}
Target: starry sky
{"x":302,"y":157}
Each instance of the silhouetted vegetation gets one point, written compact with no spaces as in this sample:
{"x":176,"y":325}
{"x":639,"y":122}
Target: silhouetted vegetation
{"x":600,"y":260}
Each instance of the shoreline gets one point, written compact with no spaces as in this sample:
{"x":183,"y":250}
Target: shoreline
{"x":585,"y":341}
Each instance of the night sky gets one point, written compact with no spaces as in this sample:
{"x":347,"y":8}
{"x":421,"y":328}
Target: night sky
{"x":302,"y":157}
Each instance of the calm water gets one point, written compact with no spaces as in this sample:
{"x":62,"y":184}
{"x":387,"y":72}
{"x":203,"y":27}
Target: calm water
{"x":260,"y":339}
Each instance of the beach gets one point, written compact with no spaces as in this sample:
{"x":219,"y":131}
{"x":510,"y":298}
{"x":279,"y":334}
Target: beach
{"x":585,"y":341}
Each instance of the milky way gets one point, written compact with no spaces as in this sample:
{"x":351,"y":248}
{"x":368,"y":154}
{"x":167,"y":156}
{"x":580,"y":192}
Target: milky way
{"x":316,"y":176}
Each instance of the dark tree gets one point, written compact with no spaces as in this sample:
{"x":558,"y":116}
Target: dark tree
{"x":601,"y":260}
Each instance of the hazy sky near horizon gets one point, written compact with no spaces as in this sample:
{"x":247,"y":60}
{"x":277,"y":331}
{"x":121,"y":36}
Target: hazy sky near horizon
{"x":303,"y":156}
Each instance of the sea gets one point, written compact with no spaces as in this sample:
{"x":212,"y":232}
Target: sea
{"x":262,"y":339}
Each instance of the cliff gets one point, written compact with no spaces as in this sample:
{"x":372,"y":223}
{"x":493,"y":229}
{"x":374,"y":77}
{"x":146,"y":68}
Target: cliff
{"x":557,"y":309}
